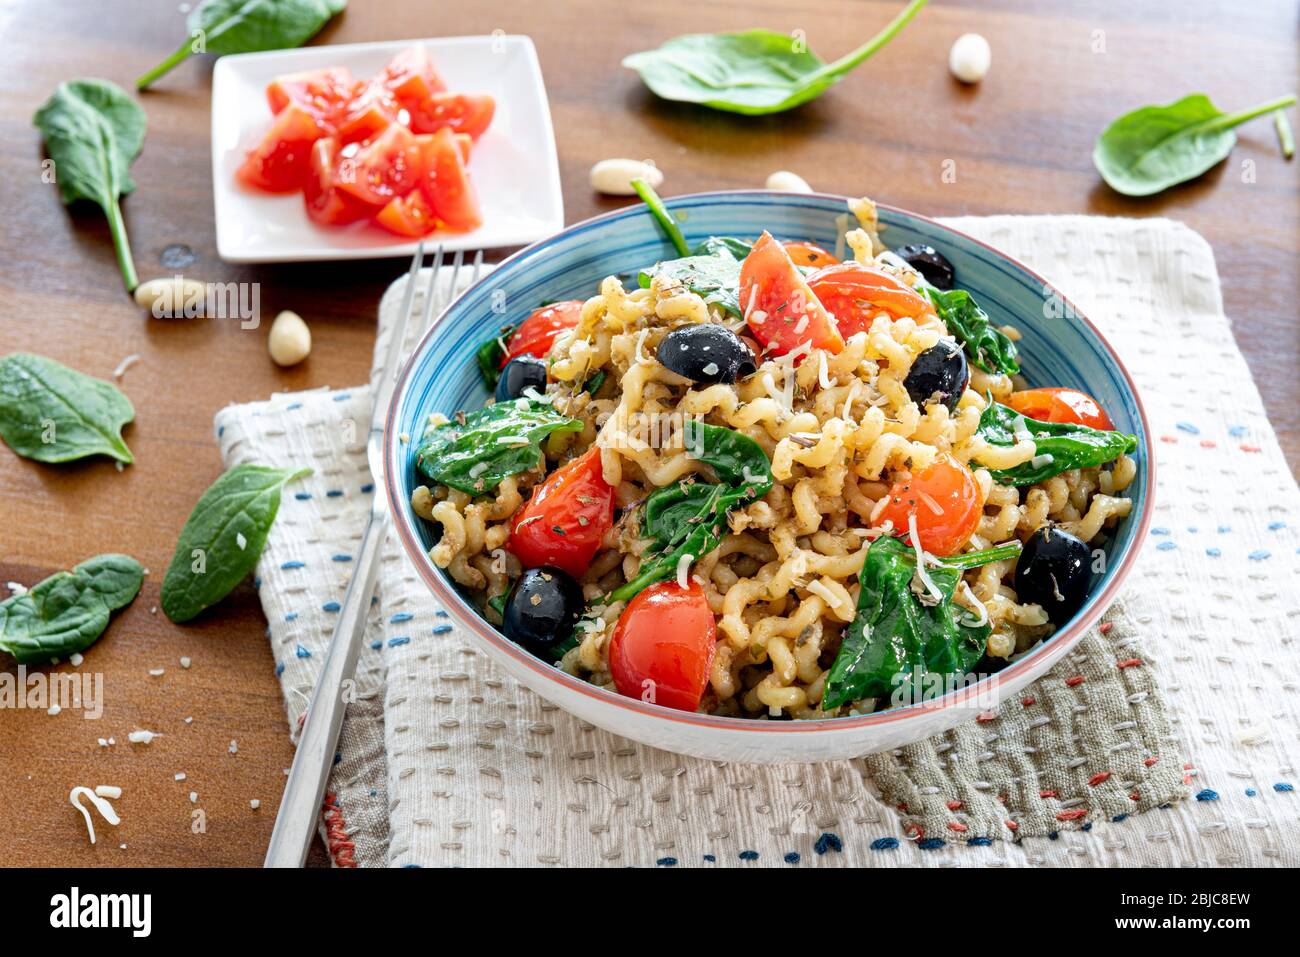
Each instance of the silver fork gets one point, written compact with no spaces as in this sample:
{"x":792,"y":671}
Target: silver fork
{"x":295,"y":824}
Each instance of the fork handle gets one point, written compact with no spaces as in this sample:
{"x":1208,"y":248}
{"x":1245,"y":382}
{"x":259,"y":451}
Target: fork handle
{"x":295,"y":824}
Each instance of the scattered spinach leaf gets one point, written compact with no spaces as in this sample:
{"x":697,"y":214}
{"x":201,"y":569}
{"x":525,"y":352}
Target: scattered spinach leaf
{"x":985,"y":556}
{"x":738,"y":248}
{"x":68,"y":611}
{"x":755,"y":72}
{"x":690,"y":518}
{"x":1062,"y":446}
{"x":986,"y":346}
{"x":247,"y":26}
{"x":51,"y":413}
{"x":490,"y":444}
{"x":593,"y":384}
{"x":223,"y":538}
{"x":896,"y":637}
{"x":489,"y":356}
{"x":664,"y":218}
{"x":93,"y":131}
{"x":1154,"y":147}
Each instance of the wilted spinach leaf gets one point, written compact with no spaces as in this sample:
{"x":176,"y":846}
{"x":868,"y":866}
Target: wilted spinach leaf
{"x":490,"y":444}
{"x":1062,"y":446}
{"x":986,"y":346}
{"x":896,"y":636}
{"x":714,"y":276}
{"x":490,"y":354}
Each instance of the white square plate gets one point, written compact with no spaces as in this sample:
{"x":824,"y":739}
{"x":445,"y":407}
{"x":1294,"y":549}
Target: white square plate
{"x":513,"y":166}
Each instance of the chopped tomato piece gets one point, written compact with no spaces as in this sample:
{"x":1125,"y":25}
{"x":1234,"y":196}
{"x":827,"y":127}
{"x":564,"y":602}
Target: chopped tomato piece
{"x":781,"y":309}
{"x":409,"y":215}
{"x":809,"y":254}
{"x":323,"y":93}
{"x":279,"y":163}
{"x":410,"y":75}
{"x":468,"y":113}
{"x":1061,"y":405}
{"x":369,"y":111}
{"x":565,"y":519}
{"x":854,"y":293}
{"x":536,"y":334}
{"x":945,"y":500}
{"x":663,"y":646}
{"x":446,"y":183}
{"x":326,"y":203}
{"x":385,"y":168}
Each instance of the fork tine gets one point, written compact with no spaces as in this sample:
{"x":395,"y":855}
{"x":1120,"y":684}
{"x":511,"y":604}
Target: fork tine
{"x":478,"y":268}
{"x":404,"y":318}
{"x":431,"y":292}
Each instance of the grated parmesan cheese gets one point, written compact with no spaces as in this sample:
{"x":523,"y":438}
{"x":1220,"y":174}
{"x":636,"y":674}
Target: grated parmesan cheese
{"x":140,"y":737}
{"x":983,"y":618}
{"x":108,"y":791}
{"x":929,"y":501}
{"x":125,"y":364}
{"x":828,"y":596}
{"x":641,"y":358}
{"x":921,"y":557}
{"x":1038,"y":461}
{"x":683,"y":570}
{"x":103,"y":807}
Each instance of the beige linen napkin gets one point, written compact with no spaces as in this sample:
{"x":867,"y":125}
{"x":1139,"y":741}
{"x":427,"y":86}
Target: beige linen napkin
{"x":1191,"y":690}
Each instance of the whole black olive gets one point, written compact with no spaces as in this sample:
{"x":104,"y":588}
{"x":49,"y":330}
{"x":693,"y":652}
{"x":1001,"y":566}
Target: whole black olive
{"x":706,"y":353}
{"x":1054,"y":571}
{"x":939,"y":374}
{"x":520,"y":373}
{"x":541,"y":609}
{"x":929,"y":262}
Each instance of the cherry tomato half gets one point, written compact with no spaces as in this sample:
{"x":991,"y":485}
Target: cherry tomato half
{"x":809,"y":254}
{"x":781,"y":310}
{"x":562,"y":524}
{"x":536,"y":333}
{"x":946,"y":502}
{"x":663,"y":645}
{"x":854,"y":293}
{"x":1060,"y":405}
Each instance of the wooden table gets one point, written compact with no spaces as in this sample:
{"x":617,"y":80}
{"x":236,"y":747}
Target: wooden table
{"x":1021,"y":143}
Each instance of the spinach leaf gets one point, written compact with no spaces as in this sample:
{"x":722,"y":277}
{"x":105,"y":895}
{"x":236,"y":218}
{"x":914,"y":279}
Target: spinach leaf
{"x":490,"y":444}
{"x":895,"y":636}
{"x":593,"y":384}
{"x":690,"y":518}
{"x":714,"y":276}
{"x":986,"y":346}
{"x":755,"y":72}
{"x":1154,"y":147}
{"x":490,"y":354}
{"x":93,"y":131}
{"x":223,"y":538}
{"x":737,"y":247}
{"x":664,"y":218}
{"x":1062,"y":446}
{"x":51,"y":413}
{"x":246,"y":26}
{"x":68,"y":611}
{"x":985,"y":556}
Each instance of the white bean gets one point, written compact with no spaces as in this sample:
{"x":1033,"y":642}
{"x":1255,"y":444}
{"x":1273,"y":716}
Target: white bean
{"x":290,"y":339}
{"x":788,"y":182}
{"x":970,"y":57}
{"x":614,"y":176}
{"x":171,"y":297}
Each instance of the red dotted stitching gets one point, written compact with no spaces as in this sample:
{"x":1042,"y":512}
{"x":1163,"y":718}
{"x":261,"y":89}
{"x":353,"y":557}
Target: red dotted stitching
{"x":954,"y":805}
{"x":1047,"y":794}
{"x":1098,"y":778}
{"x":1076,"y":680}
{"x":1150,"y":761}
{"x":1129,"y":663}
{"x":954,"y":826}
{"x":1027,"y":702}
{"x":1105,"y":627}
{"x":1250,"y":448}
{"x":336,"y":835}
{"x":984,"y":717}
{"x":1072,"y":815}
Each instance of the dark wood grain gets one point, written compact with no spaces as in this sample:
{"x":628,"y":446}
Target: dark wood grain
{"x":1021,"y":142}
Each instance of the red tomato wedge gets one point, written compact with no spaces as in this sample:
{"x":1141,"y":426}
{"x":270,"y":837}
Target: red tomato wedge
{"x":410,"y":75}
{"x":781,"y":310}
{"x":562,"y":524}
{"x":854,"y":293}
{"x":663,"y":646}
{"x":369,"y":112}
{"x":279,"y":164}
{"x":468,"y":113}
{"x":387,"y":167}
{"x":326,"y":203}
{"x":323,"y":93}
{"x":946,"y":502}
{"x":1061,"y":405}
{"x":445,"y":181}
{"x":536,"y":334}
{"x":409,"y":215}
{"x":809,"y":254}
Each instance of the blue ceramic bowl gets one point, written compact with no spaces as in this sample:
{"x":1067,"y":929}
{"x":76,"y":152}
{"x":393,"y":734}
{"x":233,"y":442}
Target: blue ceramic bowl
{"x":1058,"y":347}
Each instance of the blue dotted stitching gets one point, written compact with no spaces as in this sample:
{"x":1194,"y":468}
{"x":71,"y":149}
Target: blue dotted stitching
{"x":401,"y":640}
{"x":980,"y":841}
{"x":1259,"y":554}
{"x":828,"y":842}
{"x":792,"y":858}
{"x":1207,"y":795}
{"x":291,"y":616}
{"x":1165,"y":546}
{"x":667,"y":862}
{"x":301,"y":652}
{"x":1188,"y":427}
{"x":287,"y":566}
{"x":442,"y":629}
{"x":330,"y":606}
{"x":930,"y":844}
{"x":749,"y":855}
{"x":340,"y":558}
{"x":400,"y":617}
{"x":1283,"y":786}
{"x":884,"y":844}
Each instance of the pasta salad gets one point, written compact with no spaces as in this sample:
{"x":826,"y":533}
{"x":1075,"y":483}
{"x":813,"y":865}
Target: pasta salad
{"x":764,"y":482}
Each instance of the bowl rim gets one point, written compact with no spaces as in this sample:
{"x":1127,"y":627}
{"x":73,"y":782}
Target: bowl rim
{"x":991,"y":684}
